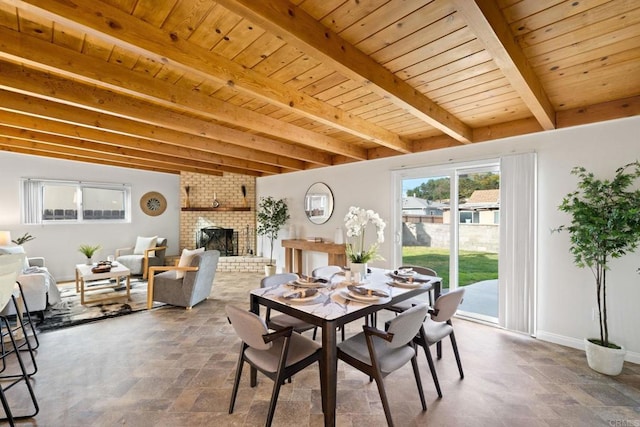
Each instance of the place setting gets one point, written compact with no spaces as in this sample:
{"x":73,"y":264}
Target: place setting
{"x":363,"y":294}
{"x":309,"y":282}
{"x":407,"y":278}
{"x":300,"y":296}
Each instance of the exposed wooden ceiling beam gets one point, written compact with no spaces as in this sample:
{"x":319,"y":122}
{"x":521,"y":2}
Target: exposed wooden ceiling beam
{"x":109,"y":23}
{"x":298,"y":28}
{"x":24,"y":104}
{"x":46,"y":86}
{"x":110,"y":141}
{"x":46,"y":142}
{"x":27,"y":147}
{"x":626,"y":107}
{"x":17,"y":46}
{"x":486,"y":21}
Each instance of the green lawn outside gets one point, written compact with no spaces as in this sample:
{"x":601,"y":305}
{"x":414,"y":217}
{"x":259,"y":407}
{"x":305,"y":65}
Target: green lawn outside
{"x":474,"y":266}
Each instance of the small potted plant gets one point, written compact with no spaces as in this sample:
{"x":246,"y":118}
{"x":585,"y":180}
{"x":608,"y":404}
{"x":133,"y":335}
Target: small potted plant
{"x":605,"y":224}
{"x":89,"y":251}
{"x":272,"y":215}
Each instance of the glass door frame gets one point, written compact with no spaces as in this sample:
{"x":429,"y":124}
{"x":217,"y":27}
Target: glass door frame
{"x":452,"y":171}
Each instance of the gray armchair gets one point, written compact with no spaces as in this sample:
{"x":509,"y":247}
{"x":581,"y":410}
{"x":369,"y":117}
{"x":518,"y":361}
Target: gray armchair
{"x":189,"y":290}
{"x":139,"y":263}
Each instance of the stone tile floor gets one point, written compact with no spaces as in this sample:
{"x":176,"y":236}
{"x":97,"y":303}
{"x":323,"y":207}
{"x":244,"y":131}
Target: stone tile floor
{"x":172,"y":367}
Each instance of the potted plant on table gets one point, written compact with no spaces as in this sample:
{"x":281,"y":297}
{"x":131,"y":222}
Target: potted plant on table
{"x":605,"y":224}
{"x":356,"y":222}
{"x":272,"y":215}
{"x":89,"y":251}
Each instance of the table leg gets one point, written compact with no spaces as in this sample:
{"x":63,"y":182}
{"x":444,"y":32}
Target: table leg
{"x":288,"y":260}
{"x":255,"y":308}
{"x":77,"y":281}
{"x":82,"y":290}
{"x":128,"y":287}
{"x":298,"y":261}
{"x":329,"y":378}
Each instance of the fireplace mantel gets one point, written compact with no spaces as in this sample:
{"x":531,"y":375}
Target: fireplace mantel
{"x":219,"y":209}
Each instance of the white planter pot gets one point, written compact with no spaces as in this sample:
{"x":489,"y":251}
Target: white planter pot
{"x":269,"y":270}
{"x":605,"y":360}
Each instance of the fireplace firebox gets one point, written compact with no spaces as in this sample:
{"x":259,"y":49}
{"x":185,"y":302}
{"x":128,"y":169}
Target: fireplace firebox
{"x":223,"y":239}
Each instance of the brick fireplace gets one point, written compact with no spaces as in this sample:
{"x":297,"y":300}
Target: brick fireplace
{"x":235,"y":212}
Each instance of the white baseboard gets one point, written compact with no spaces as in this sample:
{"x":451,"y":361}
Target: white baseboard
{"x":631,"y":356}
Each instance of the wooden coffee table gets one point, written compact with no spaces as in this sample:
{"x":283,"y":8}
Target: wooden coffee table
{"x":84,"y":275}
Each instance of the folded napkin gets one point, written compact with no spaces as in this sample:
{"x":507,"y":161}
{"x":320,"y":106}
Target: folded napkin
{"x":307,"y":279}
{"x":300,"y":293}
{"x":367,"y":292}
{"x":408,"y":279}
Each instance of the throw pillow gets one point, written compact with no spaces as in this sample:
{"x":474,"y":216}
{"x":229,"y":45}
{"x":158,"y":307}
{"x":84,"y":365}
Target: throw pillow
{"x":17,"y":249}
{"x":144,"y":243}
{"x":185,"y":260}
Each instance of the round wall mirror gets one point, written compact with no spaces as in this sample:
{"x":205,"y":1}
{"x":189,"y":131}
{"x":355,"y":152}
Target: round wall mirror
{"x":318,"y":203}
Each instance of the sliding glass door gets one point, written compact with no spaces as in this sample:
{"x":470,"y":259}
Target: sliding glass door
{"x":448,"y":220}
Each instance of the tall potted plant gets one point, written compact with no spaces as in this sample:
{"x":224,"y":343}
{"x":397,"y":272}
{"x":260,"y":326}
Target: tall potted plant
{"x":272,"y":215}
{"x":605,"y":224}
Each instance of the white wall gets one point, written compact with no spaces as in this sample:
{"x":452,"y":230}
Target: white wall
{"x":58,"y":243}
{"x":566,"y":294}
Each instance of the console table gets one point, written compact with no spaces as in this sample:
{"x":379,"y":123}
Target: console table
{"x":293,"y":253}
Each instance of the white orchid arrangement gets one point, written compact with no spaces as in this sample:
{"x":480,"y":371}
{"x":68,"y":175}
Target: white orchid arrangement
{"x":356,"y":222}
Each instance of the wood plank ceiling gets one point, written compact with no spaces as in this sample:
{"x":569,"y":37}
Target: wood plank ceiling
{"x":269,"y":87}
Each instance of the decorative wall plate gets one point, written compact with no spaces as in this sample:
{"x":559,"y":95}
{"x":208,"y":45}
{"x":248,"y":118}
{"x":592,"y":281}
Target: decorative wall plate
{"x":153,"y":203}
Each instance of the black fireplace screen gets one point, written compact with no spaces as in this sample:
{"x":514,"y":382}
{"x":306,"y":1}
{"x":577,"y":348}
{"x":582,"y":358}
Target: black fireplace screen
{"x":223,"y":239}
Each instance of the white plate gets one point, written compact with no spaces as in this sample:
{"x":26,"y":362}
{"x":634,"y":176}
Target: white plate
{"x":305,"y":284}
{"x":406,"y":273}
{"x":304,"y":300}
{"x":346,"y":294}
{"x":367,"y":298}
{"x":407,"y":285}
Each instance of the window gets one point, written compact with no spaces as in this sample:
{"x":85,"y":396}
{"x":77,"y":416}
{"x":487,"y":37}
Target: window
{"x":48,"y":201}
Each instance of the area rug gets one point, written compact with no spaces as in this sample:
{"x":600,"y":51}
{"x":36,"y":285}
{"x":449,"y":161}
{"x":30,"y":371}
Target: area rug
{"x":69,"y":312}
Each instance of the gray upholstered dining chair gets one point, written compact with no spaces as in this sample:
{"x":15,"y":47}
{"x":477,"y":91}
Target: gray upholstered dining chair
{"x":144,"y":254}
{"x":282,"y":320}
{"x":378,"y":353}
{"x":406,"y":304}
{"x":437,"y":327}
{"x":195,"y":286}
{"x":326,"y":271}
{"x":278,"y":355}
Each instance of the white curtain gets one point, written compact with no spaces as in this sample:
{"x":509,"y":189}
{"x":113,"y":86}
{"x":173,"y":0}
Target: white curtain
{"x":517,"y":265}
{"x":32,"y":201}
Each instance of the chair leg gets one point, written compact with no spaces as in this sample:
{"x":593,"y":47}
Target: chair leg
{"x":425,"y":346}
{"x":274,"y":398}
{"x":29,"y":320}
{"x":439,"y":349}
{"x":20,"y":325}
{"x":236,"y":383}
{"x":17,"y":378}
{"x":416,"y":373}
{"x":383,"y":398}
{"x":7,"y":409}
{"x":455,"y":352}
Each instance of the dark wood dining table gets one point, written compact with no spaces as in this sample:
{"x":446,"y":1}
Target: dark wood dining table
{"x":335,"y":307}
